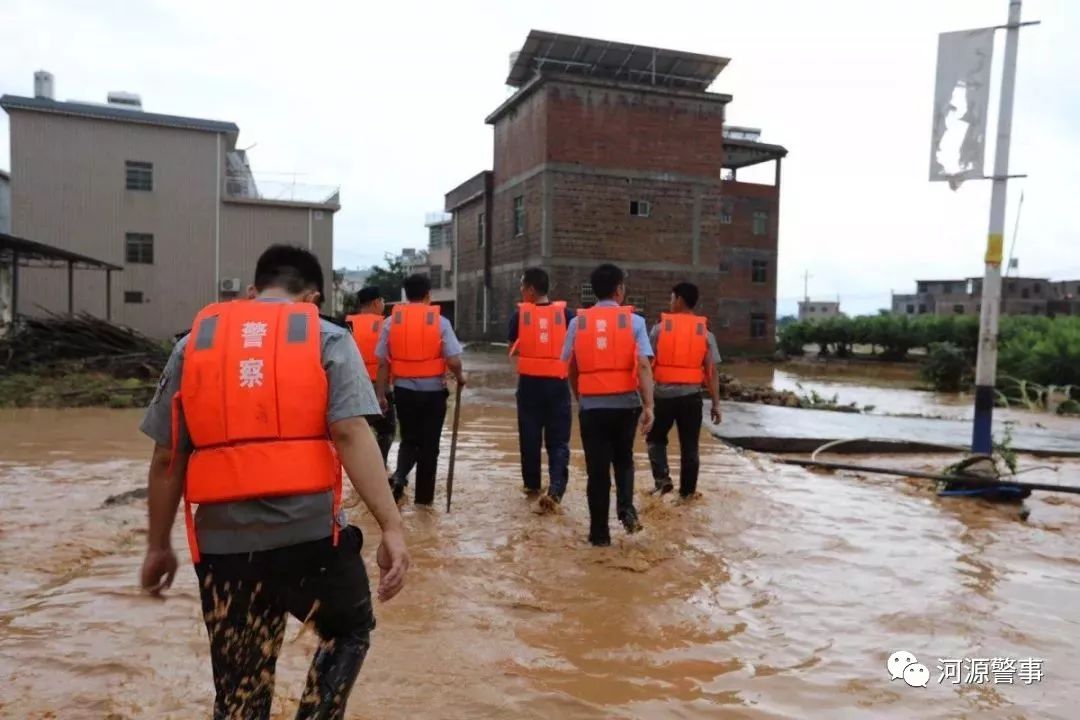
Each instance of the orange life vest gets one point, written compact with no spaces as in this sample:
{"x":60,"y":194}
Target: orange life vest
{"x":254,"y":396}
{"x":605,"y":351}
{"x":681,"y":349}
{"x":541,"y":335}
{"x":365,"y":330}
{"x":416,"y":341}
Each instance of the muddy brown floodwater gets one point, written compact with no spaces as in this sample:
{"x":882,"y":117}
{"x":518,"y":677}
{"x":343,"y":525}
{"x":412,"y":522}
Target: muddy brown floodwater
{"x":779,"y":594}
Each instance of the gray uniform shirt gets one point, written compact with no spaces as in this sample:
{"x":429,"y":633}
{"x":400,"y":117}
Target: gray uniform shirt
{"x":252,"y":525}
{"x":675,"y":390}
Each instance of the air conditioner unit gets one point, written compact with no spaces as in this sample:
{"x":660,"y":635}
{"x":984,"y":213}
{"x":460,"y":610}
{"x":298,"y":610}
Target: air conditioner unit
{"x":230,"y":285}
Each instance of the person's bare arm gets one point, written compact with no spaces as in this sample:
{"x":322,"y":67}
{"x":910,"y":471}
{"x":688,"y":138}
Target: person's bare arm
{"x":645,"y":387}
{"x":164,"y":490}
{"x":362,"y":460}
{"x":714,"y":392}
{"x":382,"y":379}
{"x":453,"y":364}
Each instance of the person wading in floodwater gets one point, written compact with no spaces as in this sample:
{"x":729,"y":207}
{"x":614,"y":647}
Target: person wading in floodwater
{"x":417,"y":346}
{"x":257,"y":410}
{"x":686,"y":354}
{"x":608,"y":348}
{"x":537,"y":335}
{"x":366,"y":326}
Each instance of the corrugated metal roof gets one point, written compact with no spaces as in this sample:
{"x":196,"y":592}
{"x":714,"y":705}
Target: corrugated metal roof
{"x":29,"y":249}
{"x":119,"y":114}
{"x":570,"y":54}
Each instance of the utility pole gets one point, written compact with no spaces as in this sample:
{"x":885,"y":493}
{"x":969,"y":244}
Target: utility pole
{"x":806,"y":286}
{"x":986,"y":365}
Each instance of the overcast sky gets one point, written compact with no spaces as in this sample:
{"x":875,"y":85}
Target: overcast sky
{"x":388,"y":101}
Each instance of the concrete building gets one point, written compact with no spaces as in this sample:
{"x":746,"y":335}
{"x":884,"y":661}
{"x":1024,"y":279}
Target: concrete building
{"x":5,"y":202}
{"x":613,"y":152}
{"x":440,"y":259}
{"x":818,"y":309}
{"x":1019,"y":296}
{"x":170,"y":198}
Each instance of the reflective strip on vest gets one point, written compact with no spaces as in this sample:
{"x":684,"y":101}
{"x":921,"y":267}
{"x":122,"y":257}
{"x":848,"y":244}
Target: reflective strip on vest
{"x":606,"y":351}
{"x":681,"y":349}
{"x":541,"y":336}
{"x":416,"y":341}
{"x":366,"y":329}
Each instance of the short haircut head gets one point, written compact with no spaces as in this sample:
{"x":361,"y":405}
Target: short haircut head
{"x":288,"y":268}
{"x":417,"y":287}
{"x":367,"y":295}
{"x":605,"y":280}
{"x":688,"y":292}
{"x":537,"y":279}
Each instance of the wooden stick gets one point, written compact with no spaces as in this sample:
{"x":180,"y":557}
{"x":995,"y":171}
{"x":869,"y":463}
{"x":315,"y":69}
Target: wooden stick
{"x":453,"y":448}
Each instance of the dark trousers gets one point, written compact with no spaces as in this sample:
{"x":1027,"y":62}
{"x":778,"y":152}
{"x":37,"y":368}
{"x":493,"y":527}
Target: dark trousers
{"x":246,"y":600}
{"x":543,"y":412}
{"x":385,"y":427}
{"x":685,"y":413}
{"x":608,"y":438}
{"x":421,"y":415}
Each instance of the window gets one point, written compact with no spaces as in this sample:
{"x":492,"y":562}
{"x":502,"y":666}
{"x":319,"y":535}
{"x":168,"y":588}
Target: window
{"x":922,"y":308}
{"x":519,"y":215}
{"x":480,"y":226}
{"x":727,"y":211}
{"x":139,"y":175}
{"x":448,"y":279}
{"x":639,"y":208}
{"x":436,"y":277}
{"x":910,"y":309}
{"x":761,"y":222}
{"x":1011,"y":286}
{"x":588,"y":297}
{"x":758,"y":271}
{"x":133,"y":296}
{"x":757,"y":325}
{"x":958,"y":309}
{"x":812,"y":309}
{"x":1037,"y":289}
{"x":139,"y":249}
{"x":1025,"y":293}
{"x":725,"y":267}
{"x":725,"y":321}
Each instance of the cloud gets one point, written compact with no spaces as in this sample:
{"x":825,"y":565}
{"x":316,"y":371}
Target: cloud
{"x":388,"y":101}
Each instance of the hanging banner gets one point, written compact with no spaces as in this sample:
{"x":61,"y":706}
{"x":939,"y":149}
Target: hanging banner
{"x":961,"y":97}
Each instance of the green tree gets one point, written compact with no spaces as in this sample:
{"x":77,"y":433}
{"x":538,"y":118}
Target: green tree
{"x":389,"y":278}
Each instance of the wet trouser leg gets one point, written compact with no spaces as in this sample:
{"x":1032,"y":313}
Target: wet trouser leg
{"x":410,"y":418}
{"x":689,"y":422}
{"x":596,"y":439}
{"x":385,"y":427}
{"x":657,"y":441}
{"x":558,"y":421}
{"x":624,"y":429}
{"x":432,"y":416}
{"x":246,"y":598}
{"x":530,"y":417}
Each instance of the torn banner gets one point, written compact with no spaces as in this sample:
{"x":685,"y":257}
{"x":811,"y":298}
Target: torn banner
{"x":961,"y":97}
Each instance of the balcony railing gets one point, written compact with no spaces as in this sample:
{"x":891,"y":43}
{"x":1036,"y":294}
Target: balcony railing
{"x":241,"y":185}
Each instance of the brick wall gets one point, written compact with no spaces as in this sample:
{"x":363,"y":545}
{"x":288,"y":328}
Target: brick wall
{"x":622,"y":128}
{"x":521,"y":137}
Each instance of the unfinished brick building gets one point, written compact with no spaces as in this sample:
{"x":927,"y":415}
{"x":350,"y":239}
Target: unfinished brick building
{"x":613,"y":152}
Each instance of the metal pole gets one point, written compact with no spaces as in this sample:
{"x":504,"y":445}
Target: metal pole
{"x":14,"y":286}
{"x":71,"y":289}
{"x":986,"y":366}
